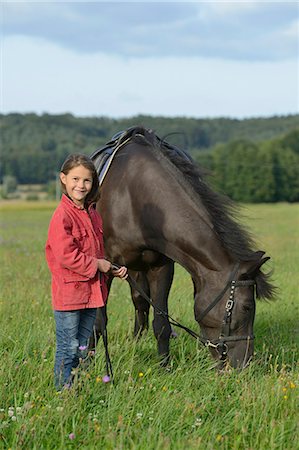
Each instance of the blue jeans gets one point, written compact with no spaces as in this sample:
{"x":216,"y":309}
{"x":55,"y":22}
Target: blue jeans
{"x":73,"y":330}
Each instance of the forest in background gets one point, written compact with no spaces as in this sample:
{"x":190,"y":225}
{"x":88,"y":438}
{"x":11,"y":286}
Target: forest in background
{"x":251,"y":160}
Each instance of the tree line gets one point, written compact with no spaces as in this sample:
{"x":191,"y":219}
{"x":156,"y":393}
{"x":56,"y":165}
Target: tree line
{"x":252,"y":160}
{"x":256,"y":172}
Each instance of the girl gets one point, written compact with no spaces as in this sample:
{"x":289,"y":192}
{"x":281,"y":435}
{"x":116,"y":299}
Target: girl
{"x":75,"y":256}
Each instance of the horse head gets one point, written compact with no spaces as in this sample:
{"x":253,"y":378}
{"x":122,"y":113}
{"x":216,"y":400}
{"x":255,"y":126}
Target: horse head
{"x":227,"y":323}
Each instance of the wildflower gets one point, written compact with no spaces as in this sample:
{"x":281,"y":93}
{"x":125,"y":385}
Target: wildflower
{"x":198,"y":422}
{"x":218,"y":438}
{"x":82,"y":348}
{"x":72,"y":436}
{"x":18,"y":410}
{"x":284,"y":389}
{"x":59,"y":408}
{"x":98,"y":379}
{"x":164,"y":388}
{"x":13,"y":418}
{"x":26,"y":395}
{"x":106,"y":379}
{"x":292,"y":385}
{"x":285,"y":397}
{"x":173,"y":335}
{"x":140,"y":374}
{"x":11,"y":412}
{"x":139,"y":415}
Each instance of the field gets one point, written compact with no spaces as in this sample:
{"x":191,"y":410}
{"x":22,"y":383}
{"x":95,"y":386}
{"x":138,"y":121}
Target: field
{"x":187,"y":407}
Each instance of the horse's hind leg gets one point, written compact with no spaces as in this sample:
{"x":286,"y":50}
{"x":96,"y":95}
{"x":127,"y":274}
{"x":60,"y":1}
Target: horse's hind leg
{"x":160,"y":279}
{"x":141,"y":305}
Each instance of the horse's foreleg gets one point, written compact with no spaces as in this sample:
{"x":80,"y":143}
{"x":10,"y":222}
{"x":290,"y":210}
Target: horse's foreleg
{"x":141,"y":305}
{"x":160,"y":279}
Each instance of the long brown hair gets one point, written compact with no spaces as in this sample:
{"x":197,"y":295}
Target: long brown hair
{"x":78,"y":159}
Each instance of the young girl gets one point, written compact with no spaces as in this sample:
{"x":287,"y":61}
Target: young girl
{"x":75,"y":256}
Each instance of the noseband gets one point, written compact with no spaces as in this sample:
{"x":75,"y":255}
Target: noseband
{"x":220,"y":344}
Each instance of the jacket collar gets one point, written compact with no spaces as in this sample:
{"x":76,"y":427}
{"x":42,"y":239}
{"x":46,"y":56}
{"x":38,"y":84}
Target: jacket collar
{"x":69,"y":203}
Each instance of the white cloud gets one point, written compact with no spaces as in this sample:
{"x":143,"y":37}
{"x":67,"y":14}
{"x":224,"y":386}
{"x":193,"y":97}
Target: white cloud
{"x":229,"y":30}
{"x":42,"y":77}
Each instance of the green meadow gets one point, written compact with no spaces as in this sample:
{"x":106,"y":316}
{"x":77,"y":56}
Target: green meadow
{"x":189,"y":406}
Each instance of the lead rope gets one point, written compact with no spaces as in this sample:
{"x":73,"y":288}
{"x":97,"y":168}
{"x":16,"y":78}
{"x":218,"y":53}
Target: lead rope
{"x":160,"y":311}
{"x":216,"y":343}
{"x":104,"y":333}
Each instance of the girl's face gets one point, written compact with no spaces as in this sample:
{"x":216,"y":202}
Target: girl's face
{"x":78,"y":184}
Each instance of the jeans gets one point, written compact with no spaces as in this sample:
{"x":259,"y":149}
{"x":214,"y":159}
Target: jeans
{"x":73,"y":330}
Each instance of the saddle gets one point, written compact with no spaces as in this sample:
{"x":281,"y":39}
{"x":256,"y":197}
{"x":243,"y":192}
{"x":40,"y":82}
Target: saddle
{"x":102,"y":157}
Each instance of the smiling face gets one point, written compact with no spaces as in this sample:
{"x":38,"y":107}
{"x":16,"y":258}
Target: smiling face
{"x":78,"y":184}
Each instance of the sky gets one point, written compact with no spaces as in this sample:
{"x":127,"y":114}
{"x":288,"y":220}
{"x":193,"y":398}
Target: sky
{"x":236,"y":59}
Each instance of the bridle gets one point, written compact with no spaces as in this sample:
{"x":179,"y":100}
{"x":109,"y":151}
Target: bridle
{"x":220,"y":344}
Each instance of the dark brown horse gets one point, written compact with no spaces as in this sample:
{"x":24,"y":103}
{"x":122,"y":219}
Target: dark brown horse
{"x":157,"y":209}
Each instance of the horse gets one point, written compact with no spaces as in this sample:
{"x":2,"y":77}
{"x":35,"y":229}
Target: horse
{"x":158,"y":209}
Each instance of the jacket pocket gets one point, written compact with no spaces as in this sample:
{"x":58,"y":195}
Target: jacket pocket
{"x":76,"y":290}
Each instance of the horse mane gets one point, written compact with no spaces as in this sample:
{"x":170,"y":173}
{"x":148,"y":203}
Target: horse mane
{"x":233,"y":236}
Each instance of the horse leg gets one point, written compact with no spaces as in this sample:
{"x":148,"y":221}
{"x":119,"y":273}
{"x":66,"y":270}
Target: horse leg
{"x":141,"y":305}
{"x":160,"y":279}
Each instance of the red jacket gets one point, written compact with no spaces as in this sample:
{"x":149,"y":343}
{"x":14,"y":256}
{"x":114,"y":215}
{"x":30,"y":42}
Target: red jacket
{"x":75,"y":242}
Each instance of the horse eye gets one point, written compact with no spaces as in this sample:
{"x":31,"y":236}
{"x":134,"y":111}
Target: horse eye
{"x":247,"y":307}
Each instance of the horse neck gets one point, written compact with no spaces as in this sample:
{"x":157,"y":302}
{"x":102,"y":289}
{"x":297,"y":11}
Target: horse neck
{"x":200,"y":253}
{"x":183,"y":230}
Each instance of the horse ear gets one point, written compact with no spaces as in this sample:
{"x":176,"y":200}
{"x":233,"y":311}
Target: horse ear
{"x":253,"y":270}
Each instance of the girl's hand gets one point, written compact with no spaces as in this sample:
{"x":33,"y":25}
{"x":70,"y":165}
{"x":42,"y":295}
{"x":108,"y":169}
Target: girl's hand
{"x":104,"y":265}
{"x":120,"y":273}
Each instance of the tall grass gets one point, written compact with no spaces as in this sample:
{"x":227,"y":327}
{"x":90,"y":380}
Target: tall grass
{"x":187,"y":407}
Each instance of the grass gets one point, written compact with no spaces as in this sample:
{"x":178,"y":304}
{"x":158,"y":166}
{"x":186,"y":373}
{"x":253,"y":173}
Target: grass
{"x":188,"y":407}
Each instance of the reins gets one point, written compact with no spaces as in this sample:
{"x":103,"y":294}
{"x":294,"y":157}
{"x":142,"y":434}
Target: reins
{"x":220,"y":343}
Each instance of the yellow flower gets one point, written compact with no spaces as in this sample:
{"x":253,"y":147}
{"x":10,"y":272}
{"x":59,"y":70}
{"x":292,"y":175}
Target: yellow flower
{"x":285,"y":397}
{"x":164,"y":388}
{"x":140,"y":374}
{"x":98,"y":379}
{"x":284,"y":389}
{"x":292,"y":385}
{"x":218,"y":438}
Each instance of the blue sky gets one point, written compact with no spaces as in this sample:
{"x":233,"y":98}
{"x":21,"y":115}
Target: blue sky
{"x":119,"y":59}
